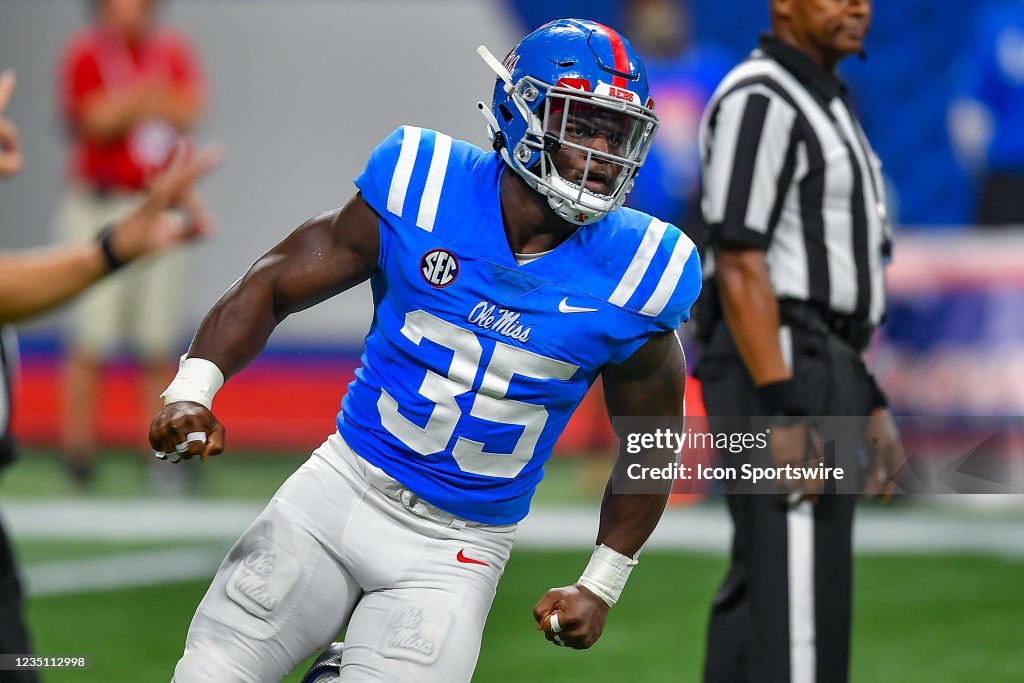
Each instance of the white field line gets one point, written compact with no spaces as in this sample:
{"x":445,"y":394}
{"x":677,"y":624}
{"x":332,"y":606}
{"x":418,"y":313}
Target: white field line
{"x":115,"y":572}
{"x":704,"y":528}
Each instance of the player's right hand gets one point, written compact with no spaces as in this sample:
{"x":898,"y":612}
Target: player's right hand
{"x":176,"y":429}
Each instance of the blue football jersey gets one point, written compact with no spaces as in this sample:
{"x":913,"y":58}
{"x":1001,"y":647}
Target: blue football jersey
{"x":473,"y":363}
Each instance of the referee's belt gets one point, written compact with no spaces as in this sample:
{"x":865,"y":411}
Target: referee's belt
{"x":854,"y":331}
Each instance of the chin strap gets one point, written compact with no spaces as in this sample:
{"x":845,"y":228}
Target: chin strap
{"x":493,"y":132}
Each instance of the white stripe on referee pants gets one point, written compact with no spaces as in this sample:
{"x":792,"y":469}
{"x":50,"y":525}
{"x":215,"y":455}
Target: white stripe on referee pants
{"x":800,"y":546}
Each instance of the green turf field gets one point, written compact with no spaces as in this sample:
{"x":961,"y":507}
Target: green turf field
{"x":929,"y":619}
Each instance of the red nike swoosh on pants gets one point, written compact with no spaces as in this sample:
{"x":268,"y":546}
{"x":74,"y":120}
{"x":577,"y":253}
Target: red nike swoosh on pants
{"x":461,"y":557}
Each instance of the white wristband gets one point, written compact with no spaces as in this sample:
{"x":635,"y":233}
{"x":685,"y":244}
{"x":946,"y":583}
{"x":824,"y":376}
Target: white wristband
{"x":606,"y":574}
{"x":198,"y":380}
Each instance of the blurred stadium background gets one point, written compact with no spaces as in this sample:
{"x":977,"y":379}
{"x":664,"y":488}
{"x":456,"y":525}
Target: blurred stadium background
{"x":300,"y":93}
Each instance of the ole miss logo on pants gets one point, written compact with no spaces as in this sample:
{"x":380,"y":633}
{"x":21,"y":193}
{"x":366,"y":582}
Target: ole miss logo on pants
{"x":439,"y":267}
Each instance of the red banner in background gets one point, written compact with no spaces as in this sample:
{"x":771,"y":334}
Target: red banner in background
{"x":273,"y":405}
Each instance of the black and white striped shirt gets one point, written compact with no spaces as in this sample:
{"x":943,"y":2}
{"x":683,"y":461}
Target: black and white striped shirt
{"x":788,"y":169}
{"x":8,"y":368}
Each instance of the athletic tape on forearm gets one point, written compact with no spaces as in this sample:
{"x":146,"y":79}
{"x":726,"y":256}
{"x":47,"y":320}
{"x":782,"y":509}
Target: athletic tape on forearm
{"x":606,"y":574}
{"x":197,"y":380}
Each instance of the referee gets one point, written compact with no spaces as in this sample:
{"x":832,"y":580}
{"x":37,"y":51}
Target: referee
{"x":798,"y":238}
{"x":32,"y":282}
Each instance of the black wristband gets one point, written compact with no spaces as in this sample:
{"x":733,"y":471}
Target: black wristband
{"x":780,"y":398}
{"x":103,"y":239}
{"x":878,"y":399}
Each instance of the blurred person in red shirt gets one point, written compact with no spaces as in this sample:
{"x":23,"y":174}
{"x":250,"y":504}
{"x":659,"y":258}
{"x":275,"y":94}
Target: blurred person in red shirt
{"x":129,"y":89}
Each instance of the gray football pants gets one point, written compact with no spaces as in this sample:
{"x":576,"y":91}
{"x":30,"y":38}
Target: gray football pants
{"x":342,"y":545}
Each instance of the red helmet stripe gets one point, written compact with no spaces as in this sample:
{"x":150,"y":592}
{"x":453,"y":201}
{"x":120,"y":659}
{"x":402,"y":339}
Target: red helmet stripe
{"x":619,"y":53}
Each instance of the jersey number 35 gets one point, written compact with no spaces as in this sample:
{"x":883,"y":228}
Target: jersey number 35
{"x":490,"y":402}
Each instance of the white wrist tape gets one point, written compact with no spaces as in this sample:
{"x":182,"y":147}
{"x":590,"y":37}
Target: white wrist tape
{"x":606,"y":574}
{"x":197,"y":380}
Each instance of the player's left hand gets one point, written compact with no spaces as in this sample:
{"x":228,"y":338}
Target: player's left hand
{"x":580,"y":616}
{"x":885,"y":455}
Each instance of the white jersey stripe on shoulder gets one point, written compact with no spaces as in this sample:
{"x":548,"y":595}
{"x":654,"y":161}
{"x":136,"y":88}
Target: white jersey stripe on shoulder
{"x":435,"y":180}
{"x":403,"y":169}
{"x":641,"y":261}
{"x":681,"y":253}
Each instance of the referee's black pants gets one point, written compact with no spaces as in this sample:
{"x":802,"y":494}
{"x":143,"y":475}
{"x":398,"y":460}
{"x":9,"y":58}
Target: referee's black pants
{"x":783,"y":612}
{"x":13,"y":634}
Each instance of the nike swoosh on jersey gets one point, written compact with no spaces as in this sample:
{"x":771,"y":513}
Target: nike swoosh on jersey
{"x":564,"y":307}
{"x":461,"y":557}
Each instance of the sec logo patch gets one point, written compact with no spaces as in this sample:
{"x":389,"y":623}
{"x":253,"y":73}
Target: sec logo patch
{"x":439,"y":268}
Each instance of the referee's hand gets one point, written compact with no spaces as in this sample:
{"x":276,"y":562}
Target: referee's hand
{"x":798,"y":444}
{"x":885,"y":455}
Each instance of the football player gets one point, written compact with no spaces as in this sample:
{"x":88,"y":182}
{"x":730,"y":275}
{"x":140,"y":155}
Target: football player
{"x":504,"y":282}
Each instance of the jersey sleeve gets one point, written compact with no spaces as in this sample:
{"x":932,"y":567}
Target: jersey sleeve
{"x":375,"y":180}
{"x":406,"y":174}
{"x":663,"y":293}
{"x":405,"y":178}
{"x":745,"y":143}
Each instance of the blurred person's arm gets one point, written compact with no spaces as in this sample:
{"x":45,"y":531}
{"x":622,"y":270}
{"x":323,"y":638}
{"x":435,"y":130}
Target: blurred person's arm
{"x":741,"y":235}
{"x":651,"y":384}
{"x":89,"y":108}
{"x":106,"y":114}
{"x":751,"y":311}
{"x":33,"y":282}
{"x":181,"y":101}
{"x":179,"y":105}
{"x":886,"y":456}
